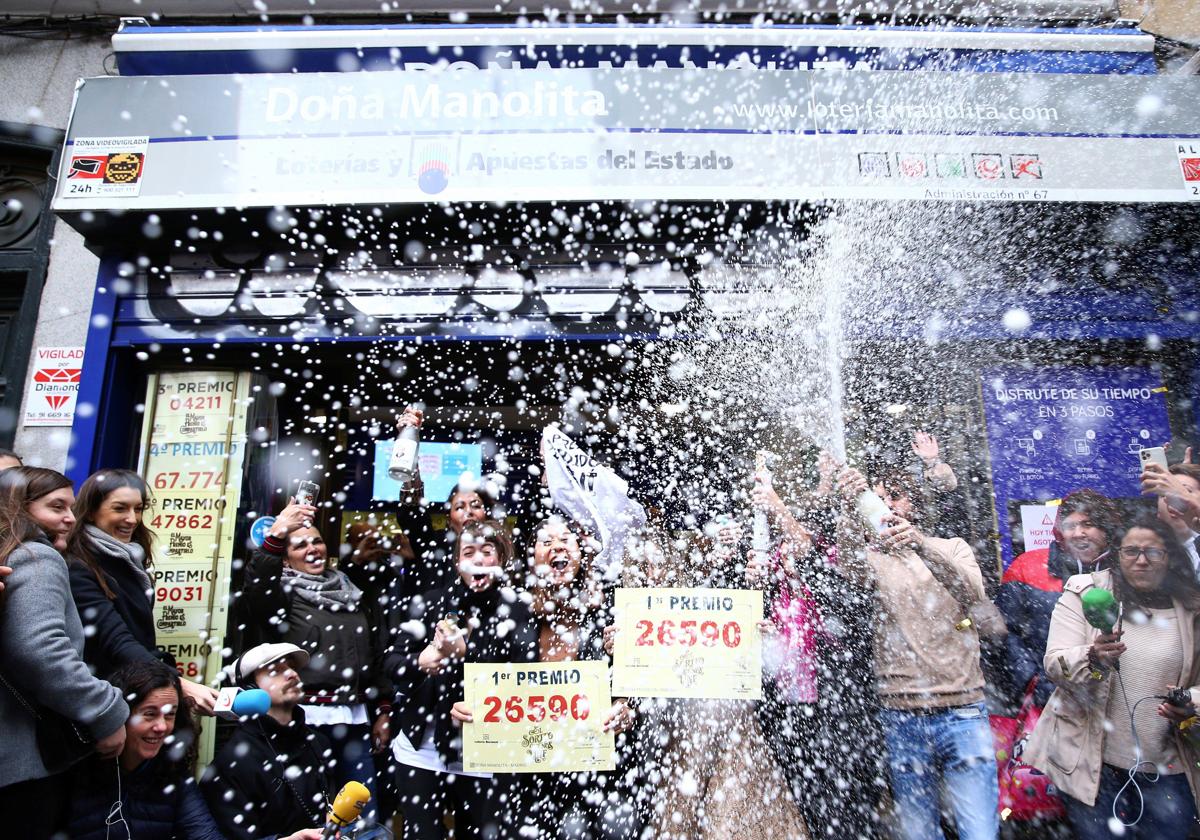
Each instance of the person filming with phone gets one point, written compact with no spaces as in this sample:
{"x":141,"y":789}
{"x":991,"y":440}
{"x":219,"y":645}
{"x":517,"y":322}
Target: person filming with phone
{"x":291,"y":594}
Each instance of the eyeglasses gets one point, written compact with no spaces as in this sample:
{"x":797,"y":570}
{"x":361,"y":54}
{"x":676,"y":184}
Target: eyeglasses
{"x":1131,"y":552}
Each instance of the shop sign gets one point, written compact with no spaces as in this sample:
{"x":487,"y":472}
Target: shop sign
{"x":616,"y":133}
{"x":54,"y":386}
{"x":192,"y":460}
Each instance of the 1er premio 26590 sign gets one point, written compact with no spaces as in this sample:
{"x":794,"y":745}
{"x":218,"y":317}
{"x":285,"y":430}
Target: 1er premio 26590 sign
{"x":701,"y":643}
{"x":537,"y":718}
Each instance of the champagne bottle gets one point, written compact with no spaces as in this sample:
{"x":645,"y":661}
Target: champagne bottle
{"x":403,"y":466}
{"x":872,"y":509}
{"x":760,"y":534}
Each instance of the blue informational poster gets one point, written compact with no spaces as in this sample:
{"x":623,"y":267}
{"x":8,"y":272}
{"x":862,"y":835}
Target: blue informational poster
{"x":442,"y":466}
{"x":1051,"y":431}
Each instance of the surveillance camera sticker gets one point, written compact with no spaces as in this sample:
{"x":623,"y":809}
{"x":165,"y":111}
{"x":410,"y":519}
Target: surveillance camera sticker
{"x":100,"y":166}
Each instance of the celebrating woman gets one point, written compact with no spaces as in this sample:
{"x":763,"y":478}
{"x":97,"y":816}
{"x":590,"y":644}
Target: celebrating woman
{"x":149,"y":792}
{"x":1116,"y":751}
{"x":42,"y":672}
{"x":569,"y":609}
{"x":109,"y":551}
{"x":476,"y":618}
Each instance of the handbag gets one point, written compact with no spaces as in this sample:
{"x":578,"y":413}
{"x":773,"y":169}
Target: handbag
{"x":61,"y":742}
{"x":1026,"y":794}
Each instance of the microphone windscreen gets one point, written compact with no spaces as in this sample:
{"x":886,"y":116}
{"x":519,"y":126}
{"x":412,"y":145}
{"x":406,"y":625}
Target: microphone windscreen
{"x":349,"y":803}
{"x":1100,"y":609}
{"x":253,"y":701}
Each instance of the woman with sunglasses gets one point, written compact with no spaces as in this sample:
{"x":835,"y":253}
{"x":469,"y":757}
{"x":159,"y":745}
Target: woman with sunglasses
{"x":1116,"y":747}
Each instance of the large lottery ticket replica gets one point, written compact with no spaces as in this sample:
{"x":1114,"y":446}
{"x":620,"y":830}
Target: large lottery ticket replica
{"x":702,"y":643}
{"x":537,"y":718}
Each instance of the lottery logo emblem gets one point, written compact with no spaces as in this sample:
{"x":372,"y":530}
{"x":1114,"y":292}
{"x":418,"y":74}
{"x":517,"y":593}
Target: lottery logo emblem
{"x":874,"y":165}
{"x":1026,"y":166}
{"x":433,"y":176}
{"x":538,"y":743}
{"x":1191,"y":168}
{"x":123,"y":168}
{"x":688,"y":669}
{"x":913,"y":166}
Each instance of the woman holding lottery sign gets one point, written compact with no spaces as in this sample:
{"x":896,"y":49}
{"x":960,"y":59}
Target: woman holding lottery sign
{"x":705,"y":769}
{"x":477,"y":617}
{"x":570,"y":611}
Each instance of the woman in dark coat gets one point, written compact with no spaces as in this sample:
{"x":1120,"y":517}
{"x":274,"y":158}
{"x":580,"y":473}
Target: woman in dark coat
{"x":570,"y":610}
{"x":149,"y":792}
{"x":476,"y":618}
{"x":109,"y":552}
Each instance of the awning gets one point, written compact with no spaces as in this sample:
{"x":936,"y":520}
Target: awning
{"x":142,"y":50}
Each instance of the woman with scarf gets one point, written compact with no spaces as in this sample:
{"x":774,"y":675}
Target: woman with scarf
{"x":109,"y":554}
{"x":291,"y":594}
{"x":476,"y":618}
{"x":569,"y":610}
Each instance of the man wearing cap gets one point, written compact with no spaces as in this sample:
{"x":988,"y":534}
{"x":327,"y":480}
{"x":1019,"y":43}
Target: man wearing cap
{"x":274,"y":775}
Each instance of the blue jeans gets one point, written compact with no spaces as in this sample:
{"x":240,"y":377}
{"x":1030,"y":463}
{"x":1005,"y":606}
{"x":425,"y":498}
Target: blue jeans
{"x":952,"y":745}
{"x":1169,"y":812}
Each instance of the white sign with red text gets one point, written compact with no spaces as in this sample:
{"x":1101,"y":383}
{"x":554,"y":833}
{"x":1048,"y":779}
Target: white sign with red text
{"x":1037,"y":525}
{"x":53,"y":386}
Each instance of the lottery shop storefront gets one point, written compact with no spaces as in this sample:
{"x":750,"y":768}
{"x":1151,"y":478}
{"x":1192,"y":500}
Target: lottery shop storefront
{"x":286,"y":257}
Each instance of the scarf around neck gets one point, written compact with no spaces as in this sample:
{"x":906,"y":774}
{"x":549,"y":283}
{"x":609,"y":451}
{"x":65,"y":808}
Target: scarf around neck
{"x":330,"y":590}
{"x":129,"y":553}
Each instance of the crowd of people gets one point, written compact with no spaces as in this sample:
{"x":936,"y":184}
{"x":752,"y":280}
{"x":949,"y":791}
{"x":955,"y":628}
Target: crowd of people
{"x":883,"y":649}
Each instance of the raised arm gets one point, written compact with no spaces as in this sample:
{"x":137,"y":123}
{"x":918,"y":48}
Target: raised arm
{"x":937,"y":472}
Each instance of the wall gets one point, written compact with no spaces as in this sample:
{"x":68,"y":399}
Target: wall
{"x":39,"y":81}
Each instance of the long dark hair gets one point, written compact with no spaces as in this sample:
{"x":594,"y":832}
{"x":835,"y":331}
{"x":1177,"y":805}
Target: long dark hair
{"x":1180,"y":582}
{"x":585,"y":589}
{"x":136,"y":680}
{"x":92,"y":494}
{"x":1099,"y":508}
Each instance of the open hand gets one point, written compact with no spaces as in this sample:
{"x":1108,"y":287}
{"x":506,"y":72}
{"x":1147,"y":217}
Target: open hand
{"x":620,"y":717}
{"x":925,"y":446}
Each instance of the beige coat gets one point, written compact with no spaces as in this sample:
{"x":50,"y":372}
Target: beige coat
{"x":1068,"y":743}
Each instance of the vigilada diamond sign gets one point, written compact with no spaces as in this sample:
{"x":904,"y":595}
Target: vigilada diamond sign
{"x":54,"y":386}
